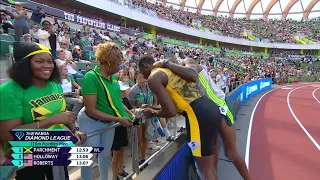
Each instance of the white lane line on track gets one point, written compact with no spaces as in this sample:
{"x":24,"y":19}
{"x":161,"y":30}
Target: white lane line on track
{"x":247,"y":154}
{"x":297,"y":120}
{"x":250,"y":127}
{"x":314,"y":96}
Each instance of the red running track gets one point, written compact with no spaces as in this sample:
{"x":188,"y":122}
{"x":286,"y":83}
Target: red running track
{"x":280,"y":149}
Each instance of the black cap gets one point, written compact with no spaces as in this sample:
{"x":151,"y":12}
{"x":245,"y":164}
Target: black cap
{"x":22,"y":50}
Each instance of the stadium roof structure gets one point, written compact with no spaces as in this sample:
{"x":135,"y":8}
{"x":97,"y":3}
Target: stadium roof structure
{"x":276,"y":9}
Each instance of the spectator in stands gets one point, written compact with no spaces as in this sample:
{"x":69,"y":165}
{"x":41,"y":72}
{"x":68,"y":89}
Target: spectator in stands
{"x":127,"y":74}
{"x":64,"y":46}
{"x":34,"y":33}
{"x":48,"y":38}
{"x":204,"y":65}
{"x":20,"y":21}
{"x":65,"y":27}
{"x":37,"y":15}
{"x":88,"y":68}
{"x":64,"y":36}
{"x":120,"y":140}
{"x":75,"y":40}
{"x":86,"y":42}
{"x":71,"y":90}
{"x":25,"y":104}
{"x":77,"y":55}
{"x":7,"y":11}
{"x":103,"y":105}
{"x":70,"y":65}
{"x":141,"y":94}
{"x":5,"y":23}
{"x":227,"y":79}
{"x":27,"y":38}
{"x":220,"y":80}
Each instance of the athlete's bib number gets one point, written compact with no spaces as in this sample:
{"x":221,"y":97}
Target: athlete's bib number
{"x":223,"y":110}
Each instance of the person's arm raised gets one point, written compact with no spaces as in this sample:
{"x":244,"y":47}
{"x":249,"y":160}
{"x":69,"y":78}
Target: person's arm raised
{"x":157,"y":82}
{"x":189,"y":72}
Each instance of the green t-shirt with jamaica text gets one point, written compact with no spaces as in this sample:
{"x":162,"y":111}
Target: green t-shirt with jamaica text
{"x":32,"y":104}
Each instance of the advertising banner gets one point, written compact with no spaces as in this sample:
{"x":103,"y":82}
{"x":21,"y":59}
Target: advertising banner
{"x":254,"y":87}
{"x":248,"y":90}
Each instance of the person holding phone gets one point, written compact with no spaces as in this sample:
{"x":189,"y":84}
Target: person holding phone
{"x":103,"y":106}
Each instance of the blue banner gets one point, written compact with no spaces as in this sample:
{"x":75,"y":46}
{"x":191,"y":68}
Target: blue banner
{"x":252,"y":88}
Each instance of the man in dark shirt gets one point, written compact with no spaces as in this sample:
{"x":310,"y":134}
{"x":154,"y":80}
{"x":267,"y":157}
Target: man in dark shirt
{"x":5,"y":23}
{"x":37,"y":15}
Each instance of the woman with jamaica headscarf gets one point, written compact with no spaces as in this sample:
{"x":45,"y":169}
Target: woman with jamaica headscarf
{"x":25,"y":104}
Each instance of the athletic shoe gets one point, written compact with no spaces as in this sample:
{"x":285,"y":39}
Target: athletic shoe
{"x":170,"y":138}
{"x":123,"y":174}
{"x":141,"y":162}
{"x":117,"y":178}
{"x":181,"y":129}
{"x":160,"y":142}
{"x":153,"y":148}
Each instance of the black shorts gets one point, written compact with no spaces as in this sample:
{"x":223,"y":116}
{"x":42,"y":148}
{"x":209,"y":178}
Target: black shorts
{"x":203,"y":122}
{"x":120,"y":138}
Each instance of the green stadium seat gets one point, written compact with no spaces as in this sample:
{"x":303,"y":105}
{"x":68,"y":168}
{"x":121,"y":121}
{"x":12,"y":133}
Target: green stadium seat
{"x":5,"y":42}
{"x":81,"y":66}
{"x":11,"y":31}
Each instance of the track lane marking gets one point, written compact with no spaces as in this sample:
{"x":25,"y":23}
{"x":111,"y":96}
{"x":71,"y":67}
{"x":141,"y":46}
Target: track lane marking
{"x":298,"y":121}
{"x":314,"y":96}
{"x":247,"y":153}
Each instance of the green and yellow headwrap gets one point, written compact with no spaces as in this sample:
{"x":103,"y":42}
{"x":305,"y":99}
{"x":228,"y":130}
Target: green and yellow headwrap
{"x":22,"y":50}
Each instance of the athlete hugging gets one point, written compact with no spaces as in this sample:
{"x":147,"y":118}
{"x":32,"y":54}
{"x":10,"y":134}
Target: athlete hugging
{"x":187,"y":89}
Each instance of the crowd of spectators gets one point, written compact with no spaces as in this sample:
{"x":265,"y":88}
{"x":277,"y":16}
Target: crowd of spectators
{"x":80,"y":45}
{"x":272,"y":30}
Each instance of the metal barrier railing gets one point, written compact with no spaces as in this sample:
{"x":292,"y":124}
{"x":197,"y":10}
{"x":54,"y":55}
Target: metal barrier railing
{"x":234,"y":85}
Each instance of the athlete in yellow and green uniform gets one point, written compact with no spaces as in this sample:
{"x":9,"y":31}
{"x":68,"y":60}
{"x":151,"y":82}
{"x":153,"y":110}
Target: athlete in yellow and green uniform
{"x":193,"y":72}
{"x":203,"y":117}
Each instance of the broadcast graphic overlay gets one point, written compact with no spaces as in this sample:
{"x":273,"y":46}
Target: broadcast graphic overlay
{"x":34,"y":147}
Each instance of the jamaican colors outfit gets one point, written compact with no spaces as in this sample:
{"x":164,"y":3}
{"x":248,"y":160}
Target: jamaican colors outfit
{"x":202,"y":114}
{"x":31,"y":104}
{"x":208,"y":87}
